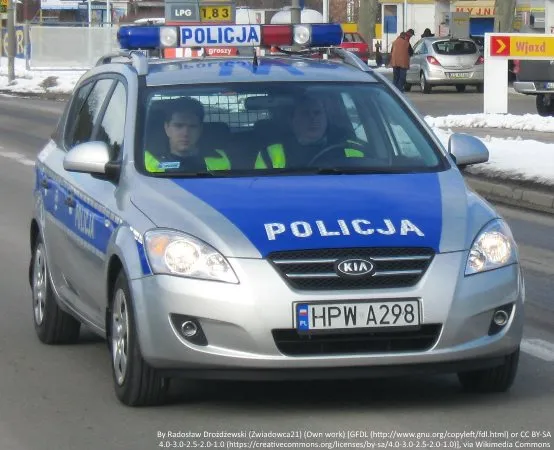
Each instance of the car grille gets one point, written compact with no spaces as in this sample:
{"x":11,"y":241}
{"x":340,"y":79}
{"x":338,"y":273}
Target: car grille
{"x":291,"y":343}
{"x":315,"y":269}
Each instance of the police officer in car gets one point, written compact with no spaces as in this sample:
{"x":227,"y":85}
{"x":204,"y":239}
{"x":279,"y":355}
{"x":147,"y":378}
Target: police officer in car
{"x":311,"y":136}
{"x":183,"y":126}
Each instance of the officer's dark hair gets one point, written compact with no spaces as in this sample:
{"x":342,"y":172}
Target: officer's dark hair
{"x":184,"y":105}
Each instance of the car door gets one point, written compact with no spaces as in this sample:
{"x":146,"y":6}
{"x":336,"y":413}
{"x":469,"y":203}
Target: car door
{"x":54,"y":188}
{"x":93,"y":211}
{"x":420,"y":51}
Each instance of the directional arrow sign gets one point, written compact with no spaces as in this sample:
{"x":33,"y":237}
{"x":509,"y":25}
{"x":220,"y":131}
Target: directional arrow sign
{"x":500,"y":45}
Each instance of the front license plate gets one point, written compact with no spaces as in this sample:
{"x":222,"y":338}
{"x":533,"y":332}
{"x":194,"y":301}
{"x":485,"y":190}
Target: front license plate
{"x":215,"y":13}
{"x":459,"y":75}
{"x":341,"y":316}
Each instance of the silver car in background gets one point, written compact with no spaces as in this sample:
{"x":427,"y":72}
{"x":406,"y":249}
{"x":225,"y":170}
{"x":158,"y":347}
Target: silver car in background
{"x":445,"y":62}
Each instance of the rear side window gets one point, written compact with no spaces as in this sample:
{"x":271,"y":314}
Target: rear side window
{"x":455,"y":47}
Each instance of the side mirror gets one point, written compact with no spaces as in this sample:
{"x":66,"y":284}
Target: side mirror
{"x":92,"y":158}
{"x":88,"y":157}
{"x":467,"y":150}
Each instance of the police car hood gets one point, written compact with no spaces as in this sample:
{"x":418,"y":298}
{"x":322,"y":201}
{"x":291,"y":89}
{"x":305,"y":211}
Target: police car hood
{"x":253,"y":217}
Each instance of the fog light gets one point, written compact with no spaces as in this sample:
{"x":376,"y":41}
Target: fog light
{"x":500,"y":318}
{"x":189,"y":328}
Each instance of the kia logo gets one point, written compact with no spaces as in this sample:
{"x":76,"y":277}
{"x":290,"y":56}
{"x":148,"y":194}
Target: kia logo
{"x":354,"y":267}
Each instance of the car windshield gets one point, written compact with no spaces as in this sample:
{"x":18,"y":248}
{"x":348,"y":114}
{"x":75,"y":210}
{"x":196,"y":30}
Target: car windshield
{"x":455,"y":47}
{"x":266,"y":129}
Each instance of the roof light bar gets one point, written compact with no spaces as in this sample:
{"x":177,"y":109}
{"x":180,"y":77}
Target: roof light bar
{"x":304,"y":35}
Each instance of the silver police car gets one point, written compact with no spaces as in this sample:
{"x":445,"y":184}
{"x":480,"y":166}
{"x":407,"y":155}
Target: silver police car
{"x":272,"y":217}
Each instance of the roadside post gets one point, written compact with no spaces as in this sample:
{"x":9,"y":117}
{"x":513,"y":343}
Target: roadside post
{"x":11,"y":42}
{"x":501,"y":47}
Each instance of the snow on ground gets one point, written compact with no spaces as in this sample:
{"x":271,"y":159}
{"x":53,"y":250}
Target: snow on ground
{"x":509,"y":158}
{"x":37,"y":81}
{"x":518,"y":159}
{"x":525,"y":122}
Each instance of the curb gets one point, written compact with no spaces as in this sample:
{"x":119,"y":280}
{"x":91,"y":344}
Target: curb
{"x":511,"y":194}
{"x":40,"y":95}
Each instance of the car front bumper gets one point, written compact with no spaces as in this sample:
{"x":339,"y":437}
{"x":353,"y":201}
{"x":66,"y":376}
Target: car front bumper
{"x":238,"y":319}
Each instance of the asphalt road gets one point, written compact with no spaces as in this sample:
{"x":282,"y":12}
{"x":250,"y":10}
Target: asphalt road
{"x":61,"y":398}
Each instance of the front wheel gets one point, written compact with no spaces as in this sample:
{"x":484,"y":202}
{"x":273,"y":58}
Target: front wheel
{"x":136,"y":383}
{"x":52,"y":324}
{"x":495,"y":379}
{"x":461,"y":87}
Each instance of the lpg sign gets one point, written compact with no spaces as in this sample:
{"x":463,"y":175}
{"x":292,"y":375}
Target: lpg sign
{"x":19,"y":42}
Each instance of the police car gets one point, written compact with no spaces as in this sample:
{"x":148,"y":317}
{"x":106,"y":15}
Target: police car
{"x":266,"y":217}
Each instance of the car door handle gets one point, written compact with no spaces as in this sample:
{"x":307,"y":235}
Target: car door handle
{"x":70,"y":202}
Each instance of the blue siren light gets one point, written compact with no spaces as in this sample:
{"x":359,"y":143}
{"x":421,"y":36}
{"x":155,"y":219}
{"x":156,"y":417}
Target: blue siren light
{"x":326,"y":35}
{"x":139,"y":37}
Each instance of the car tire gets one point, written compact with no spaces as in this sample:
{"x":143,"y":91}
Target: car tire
{"x":461,"y":87}
{"x":481,"y":88}
{"x":52,"y":324}
{"x":135,"y":382}
{"x":495,"y":379}
{"x":544,"y":109}
{"x":424,"y":85}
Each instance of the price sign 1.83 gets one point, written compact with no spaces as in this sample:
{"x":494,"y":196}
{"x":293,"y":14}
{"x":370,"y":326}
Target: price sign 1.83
{"x":216,"y":13}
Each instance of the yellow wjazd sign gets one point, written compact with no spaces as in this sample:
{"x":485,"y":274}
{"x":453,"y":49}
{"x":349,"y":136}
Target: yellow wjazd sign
{"x":4,"y":3}
{"x":523,"y":46}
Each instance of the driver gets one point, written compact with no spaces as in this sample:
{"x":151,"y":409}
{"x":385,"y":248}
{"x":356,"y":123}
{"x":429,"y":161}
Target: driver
{"x":311,"y":134}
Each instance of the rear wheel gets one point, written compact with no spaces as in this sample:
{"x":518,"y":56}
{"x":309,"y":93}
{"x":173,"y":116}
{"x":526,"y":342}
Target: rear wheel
{"x":424,"y":85}
{"x":136,"y":383}
{"x":495,"y":379}
{"x":461,"y":87}
{"x":52,"y":324}
{"x":545,"y":106}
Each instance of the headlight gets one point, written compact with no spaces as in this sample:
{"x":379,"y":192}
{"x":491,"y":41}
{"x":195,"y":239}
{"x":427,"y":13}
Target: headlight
{"x":494,"y":247}
{"x":174,"y":253}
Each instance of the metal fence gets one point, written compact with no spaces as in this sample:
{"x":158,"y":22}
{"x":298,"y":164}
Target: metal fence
{"x":70,"y":47}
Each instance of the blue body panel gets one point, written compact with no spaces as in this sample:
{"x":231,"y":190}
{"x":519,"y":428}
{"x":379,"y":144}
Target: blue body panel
{"x":310,"y":212}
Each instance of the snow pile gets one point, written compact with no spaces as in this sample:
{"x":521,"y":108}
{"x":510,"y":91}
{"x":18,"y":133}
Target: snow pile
{"x":38,"y":81}
{"x":526,"y":122}
{"x":513,"y":159}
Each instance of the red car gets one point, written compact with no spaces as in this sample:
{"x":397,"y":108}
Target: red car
{"x":355,"y":43}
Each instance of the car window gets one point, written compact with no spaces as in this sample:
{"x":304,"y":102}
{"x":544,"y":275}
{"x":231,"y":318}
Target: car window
{"x":112,"y":129}
{"x":455,"y":47}
{"x":85,"y":117}
{"x":348,"y":37}
{"x":358,"y":38}
{"x":301,"y":120}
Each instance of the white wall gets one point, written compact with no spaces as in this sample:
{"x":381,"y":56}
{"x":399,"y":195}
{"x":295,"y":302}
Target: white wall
{"x":419,"y":18}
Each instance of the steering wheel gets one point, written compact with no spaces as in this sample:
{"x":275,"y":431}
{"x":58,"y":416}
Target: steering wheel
{"x":328,"y":149}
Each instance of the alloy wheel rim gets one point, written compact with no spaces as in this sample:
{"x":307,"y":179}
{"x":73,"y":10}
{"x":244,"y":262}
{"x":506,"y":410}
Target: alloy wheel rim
{"x":120,"y":336}
{"x":39,"y":285}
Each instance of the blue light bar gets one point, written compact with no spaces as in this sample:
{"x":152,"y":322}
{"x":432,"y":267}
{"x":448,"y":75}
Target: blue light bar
{"x":326,"y":35}
{"x":139,"y":37}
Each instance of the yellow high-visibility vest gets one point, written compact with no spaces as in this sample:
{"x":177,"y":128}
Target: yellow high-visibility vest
{"x":221,"y":162}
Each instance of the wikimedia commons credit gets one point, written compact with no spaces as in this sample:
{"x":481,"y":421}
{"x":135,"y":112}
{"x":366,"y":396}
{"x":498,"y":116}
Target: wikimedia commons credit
{"x":344,"y":439}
